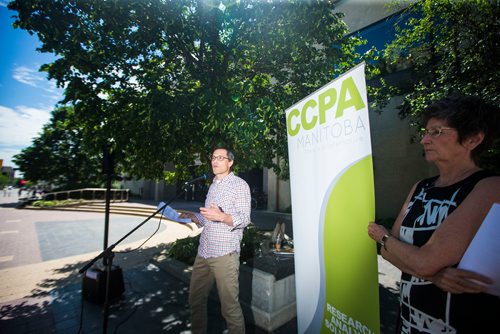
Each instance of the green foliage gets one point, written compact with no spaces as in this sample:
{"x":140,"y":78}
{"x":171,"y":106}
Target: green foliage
{"x":250,"y":244}
{"x":450,"y":46}
{"x":160,"y":81}
{"x":170,"y":177}
{"x":185,"y":249}
{"x":44,"y":204}
{"x":49,"y":204}
{"x":60,"y":155}
{"x":4,"y":180}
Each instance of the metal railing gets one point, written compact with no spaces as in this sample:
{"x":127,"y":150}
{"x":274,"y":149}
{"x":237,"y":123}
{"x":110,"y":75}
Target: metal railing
{"x":89,"y":194}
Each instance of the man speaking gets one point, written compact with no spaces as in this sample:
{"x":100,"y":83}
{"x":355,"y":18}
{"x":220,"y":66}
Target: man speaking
{"x":224,"y":217}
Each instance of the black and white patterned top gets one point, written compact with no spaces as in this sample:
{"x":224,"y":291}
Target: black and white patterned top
{"x":425,"y":308}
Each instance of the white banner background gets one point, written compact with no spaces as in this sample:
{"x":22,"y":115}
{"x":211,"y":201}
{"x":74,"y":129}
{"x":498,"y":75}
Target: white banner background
{"x":317,"y":157}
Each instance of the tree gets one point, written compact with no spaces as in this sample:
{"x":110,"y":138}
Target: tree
{"x":451,"y":46}
{"x":4,"y":180}
{"x":162,"y":81}
{"x":59,"y":155}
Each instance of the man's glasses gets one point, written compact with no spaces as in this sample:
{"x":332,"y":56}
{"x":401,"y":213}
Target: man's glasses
{"x":218,"y":157}
{"x":434,"y":133}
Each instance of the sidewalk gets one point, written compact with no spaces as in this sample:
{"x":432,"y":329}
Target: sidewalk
{"x":45,"y":297}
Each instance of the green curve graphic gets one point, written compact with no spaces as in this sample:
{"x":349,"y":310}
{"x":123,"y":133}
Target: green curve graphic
{"x":351,"y":272}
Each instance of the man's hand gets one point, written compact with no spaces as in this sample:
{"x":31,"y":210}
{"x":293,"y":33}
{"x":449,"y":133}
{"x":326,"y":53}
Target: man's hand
{"x":189,"y":215}
{"x":460,"y":281}
{"x":215,"y":214}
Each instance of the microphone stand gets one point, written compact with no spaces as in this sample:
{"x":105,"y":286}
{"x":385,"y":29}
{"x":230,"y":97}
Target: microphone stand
{"x":107,"y":255}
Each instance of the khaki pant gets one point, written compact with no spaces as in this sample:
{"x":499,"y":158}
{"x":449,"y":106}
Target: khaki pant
{"x":224,"y":270}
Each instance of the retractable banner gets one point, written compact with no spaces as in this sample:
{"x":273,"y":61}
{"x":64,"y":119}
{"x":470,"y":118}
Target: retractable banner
{"x":331,"y":177}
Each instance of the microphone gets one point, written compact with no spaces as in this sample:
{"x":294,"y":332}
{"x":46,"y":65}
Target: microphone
{"x":199,"y":178}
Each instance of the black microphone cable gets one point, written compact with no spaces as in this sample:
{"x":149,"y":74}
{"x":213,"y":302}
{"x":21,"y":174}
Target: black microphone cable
{"x":203,"y":177}
{"x":140,"y":246}
{"x":80,"y":327}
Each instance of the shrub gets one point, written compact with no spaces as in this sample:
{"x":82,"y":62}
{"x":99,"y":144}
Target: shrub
{"x":49,"y":204}
{"x":185,"y":250}
{"x":251,"y":242}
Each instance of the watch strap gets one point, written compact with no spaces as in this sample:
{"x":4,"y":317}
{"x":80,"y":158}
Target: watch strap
{"x":384,"y":240}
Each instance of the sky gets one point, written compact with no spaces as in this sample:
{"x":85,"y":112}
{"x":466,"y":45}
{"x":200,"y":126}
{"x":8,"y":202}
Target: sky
{"x":26,"y":95}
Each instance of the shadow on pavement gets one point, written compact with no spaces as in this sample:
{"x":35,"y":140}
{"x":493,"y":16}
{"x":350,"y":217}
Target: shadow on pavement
{"x":152,"y":302}
{"x":9,"y":205}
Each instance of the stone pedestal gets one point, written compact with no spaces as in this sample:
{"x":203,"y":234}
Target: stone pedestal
{"x":268,"y":298}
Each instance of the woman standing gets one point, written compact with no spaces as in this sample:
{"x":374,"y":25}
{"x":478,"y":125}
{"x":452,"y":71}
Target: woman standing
{"x":439,"y":219}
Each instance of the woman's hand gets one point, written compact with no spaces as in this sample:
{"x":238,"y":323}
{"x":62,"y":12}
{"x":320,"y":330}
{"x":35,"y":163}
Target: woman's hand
{"x":456,"y":280}
{"x":376,"y":232}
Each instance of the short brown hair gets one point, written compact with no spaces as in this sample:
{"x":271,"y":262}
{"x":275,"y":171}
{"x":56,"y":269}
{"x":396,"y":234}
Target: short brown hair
{"x":469,"y":115}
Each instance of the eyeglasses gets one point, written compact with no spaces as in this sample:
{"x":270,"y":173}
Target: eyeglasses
{"x":434,"y":133}
{"x":218,"y":157}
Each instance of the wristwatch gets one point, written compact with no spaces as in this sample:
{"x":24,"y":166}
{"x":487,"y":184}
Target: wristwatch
{"x":384,"y":240}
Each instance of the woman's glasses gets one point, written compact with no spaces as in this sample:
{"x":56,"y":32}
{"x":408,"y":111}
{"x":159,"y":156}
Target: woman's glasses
{"x":434,"y":133}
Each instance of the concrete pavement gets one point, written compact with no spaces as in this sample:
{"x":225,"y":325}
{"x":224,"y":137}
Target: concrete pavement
{"x":43,"y":295}
{"x":42,"y":291}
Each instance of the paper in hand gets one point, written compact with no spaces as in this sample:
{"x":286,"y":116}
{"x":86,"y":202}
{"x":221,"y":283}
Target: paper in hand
{"x":171,"y":214}
{"x":483,"y":254}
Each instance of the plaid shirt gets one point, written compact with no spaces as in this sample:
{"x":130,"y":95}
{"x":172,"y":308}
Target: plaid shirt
{"x":232,"y":195}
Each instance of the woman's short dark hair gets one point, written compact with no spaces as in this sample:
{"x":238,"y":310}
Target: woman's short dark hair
{"x":230,"y":154}
{"x":469,"y":115}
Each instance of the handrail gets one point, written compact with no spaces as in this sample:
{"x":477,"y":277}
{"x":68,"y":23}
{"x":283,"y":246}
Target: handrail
{"x":93,"y":194}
